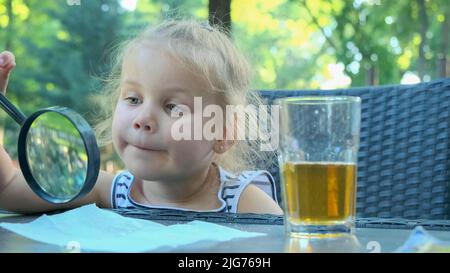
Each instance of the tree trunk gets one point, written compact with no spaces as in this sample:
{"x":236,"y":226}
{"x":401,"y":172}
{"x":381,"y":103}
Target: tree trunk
{"x":421,"y":64}
{"x":9,"y":29}
{"x":220,"y":14}
{"x":372,"y":76}
{"x":443,"y":71}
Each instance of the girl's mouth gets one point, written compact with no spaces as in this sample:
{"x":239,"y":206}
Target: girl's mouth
{"x":144,"y":148}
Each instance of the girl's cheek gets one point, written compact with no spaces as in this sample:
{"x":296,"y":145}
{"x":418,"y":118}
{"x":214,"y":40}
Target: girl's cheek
{"x":183,"y":150}
{"x":122,"y":117}
{"x":118,"y":127}
{"x":189,"y":153}
{"x":116,"y":123}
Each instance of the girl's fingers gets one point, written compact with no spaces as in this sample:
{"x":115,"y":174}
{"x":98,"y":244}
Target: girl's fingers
{"x":4,"y":74}
{"x":8,"y":67}
{"x":7,"y":63}
{"x":6,"y":58}
{"x":4,"y":84}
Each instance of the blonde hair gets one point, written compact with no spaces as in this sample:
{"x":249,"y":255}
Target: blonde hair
{"x":209,"y":53}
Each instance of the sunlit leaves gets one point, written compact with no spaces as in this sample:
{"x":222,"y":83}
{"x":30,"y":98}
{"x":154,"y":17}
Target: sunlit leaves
{"x":20,"y":10}
{"x":278,"y":40}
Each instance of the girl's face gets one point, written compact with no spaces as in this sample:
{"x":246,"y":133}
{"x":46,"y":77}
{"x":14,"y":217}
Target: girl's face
{"x":153,"y":83}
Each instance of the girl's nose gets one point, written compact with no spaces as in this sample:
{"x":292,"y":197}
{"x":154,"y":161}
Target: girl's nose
{"x":146,"y":124}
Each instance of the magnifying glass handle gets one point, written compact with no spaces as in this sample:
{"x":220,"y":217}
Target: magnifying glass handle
{"x":12,"y":110}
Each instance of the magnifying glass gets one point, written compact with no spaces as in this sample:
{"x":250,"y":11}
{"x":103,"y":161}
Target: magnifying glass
{"x":58,"y":152}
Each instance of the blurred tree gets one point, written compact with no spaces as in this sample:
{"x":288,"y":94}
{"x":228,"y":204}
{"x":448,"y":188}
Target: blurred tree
{"x":284,"y":49}
{"x":220,"y":13}
{"x":56,"y":63}
{"x":378,"y":41}
{"x":443,"y":58}
{"x":179,"y":9}
{"x":10,"y":25}
{"x":88,"y":32}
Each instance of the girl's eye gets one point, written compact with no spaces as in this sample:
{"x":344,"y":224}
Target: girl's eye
{"x":133,"y":100}
{"x":172,"y":107}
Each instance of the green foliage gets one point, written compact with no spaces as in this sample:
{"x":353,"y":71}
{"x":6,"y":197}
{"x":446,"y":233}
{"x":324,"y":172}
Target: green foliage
{"x":60,"y":53}
{"x":291,"y":42}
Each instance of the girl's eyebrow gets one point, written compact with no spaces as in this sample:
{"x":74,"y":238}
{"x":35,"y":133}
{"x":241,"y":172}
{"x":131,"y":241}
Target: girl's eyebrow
{"x":131,"y":82}
{"x":176,"y":89}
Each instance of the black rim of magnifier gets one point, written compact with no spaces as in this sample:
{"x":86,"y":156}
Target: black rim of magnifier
{"x":90,"y":145}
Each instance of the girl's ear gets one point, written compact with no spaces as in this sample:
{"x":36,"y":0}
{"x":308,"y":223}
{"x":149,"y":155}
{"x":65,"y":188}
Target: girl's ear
{"x":229,"y":139}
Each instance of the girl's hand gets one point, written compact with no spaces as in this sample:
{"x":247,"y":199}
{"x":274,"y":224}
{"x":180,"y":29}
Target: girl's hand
{"x":7,"y":63}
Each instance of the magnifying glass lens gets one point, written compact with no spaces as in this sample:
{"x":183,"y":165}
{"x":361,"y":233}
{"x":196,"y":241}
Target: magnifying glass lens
{"x":56,"y":155}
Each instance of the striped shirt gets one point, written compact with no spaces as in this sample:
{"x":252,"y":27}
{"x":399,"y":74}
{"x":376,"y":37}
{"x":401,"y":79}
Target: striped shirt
{"x":231,"y":188}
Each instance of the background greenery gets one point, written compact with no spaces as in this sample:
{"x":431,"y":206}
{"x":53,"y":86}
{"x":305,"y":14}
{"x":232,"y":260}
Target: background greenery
{"x":62,"y":47}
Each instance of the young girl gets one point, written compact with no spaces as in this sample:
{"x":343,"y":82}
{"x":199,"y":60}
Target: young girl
{"x":157,"y":74}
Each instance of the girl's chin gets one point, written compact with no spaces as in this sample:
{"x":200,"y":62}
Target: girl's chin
{"x":143,"y":172}
{"x":149,"y":173}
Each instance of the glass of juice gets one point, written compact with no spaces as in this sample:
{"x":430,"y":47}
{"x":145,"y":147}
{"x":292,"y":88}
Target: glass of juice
{"x":319,"y":141}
